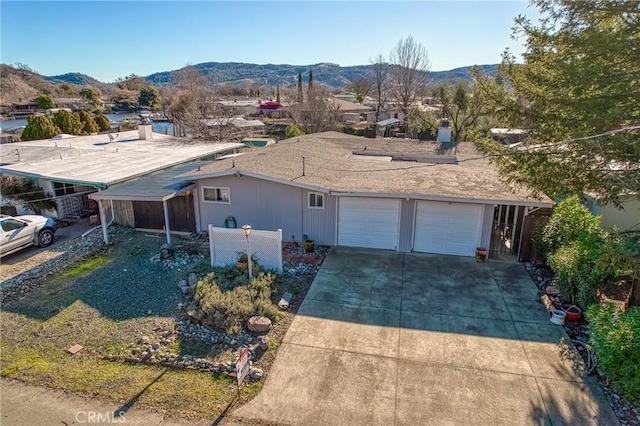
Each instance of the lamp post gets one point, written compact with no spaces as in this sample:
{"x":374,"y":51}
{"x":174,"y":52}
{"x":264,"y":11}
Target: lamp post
{"x":247,"y":232}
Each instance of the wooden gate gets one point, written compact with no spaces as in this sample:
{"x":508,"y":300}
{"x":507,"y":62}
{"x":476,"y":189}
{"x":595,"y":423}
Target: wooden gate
{"x":148,"y":214}
{"x":182,"y":214}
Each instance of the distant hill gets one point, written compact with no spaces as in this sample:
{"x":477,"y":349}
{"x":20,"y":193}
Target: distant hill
{"x":330,"y":74}
{"x":73,"y":78}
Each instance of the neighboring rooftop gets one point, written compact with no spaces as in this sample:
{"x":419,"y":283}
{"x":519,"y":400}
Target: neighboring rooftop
{"x":330,"y":163}
{"x":97,"y":160}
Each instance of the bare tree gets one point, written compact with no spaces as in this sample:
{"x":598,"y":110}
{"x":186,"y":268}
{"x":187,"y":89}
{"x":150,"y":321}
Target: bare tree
{"x":361,"y":87}
{"x":409,"y":67}
{"x":316,"y":113}
{"x":381,"y":79}
{"x":195,"y":110}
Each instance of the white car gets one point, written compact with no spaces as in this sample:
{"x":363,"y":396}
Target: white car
{"x":18,"y":232}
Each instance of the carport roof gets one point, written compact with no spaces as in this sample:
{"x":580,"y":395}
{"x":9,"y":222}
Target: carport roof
{"x":97,"y":161}
{"x":159,"y":186}
{"x":327,"y":159}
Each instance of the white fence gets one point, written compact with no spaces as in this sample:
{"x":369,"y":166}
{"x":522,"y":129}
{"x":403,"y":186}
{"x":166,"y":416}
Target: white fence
{"x":266,"y":246}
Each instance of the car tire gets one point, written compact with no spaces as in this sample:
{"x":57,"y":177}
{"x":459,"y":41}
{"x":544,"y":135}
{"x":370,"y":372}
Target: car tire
{"x":45,"y":238}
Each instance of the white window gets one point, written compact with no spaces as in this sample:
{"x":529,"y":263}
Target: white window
{"x":215,"y":195}
{"x":316,"y":201}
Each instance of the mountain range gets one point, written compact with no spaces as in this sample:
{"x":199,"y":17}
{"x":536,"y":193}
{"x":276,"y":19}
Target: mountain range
{"x":243,"y":73}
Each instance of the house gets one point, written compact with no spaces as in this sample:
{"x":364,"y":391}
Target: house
{"x":24,"y":109}
{"x":625,"y":218}
{"x":69,"y":168}
{"x":339,"y":189}
{"x":507,"y":136}
{"x":351,"y":113}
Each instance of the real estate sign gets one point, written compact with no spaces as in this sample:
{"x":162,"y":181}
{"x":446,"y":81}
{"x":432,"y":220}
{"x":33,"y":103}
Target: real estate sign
{"x":242,"y":366}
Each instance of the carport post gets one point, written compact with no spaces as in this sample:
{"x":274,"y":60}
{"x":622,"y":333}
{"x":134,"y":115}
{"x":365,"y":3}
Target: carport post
{"x":165,"y":206}
{"x":103,"y":222}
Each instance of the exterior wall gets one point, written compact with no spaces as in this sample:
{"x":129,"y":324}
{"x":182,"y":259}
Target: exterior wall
{"x":123,"y":213}
{"x":262,"y":204}
{"x":622,"y":219}
{"x":320,"y":224}
{"x":407,"y":225}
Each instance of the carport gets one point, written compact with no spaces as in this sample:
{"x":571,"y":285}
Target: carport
{"x":156,"y":201}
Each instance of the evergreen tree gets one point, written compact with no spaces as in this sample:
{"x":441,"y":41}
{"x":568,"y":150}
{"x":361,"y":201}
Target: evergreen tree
{"x":39,"y":127}
{"x":148,"y":97}
{"x":89,"y":125}
{"x":45,"y":102}
{"x":300,"y":96}
{"x":103,"y":122}
{"x":278,"y":93}
{"x":310,"y":78}
{"x":67,"y":122}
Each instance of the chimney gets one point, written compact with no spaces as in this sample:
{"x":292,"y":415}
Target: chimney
{"x":145,"y":131}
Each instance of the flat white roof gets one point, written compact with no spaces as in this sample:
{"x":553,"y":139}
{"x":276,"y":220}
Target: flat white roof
{"x":96,"y":160}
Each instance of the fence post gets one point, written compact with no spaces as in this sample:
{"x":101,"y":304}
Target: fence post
{"x":211,"y":247}
{"x":280,"y":250}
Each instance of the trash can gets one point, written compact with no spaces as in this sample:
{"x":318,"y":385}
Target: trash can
{"x":481,"y":254}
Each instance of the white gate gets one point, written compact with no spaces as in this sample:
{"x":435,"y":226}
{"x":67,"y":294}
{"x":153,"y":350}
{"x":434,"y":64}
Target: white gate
{"x":266,"y":246}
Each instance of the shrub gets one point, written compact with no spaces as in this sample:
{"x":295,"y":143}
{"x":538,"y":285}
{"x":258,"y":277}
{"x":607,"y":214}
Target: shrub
{"x":570,"y":220}
{"x":103,"y":122}
{"x":615,"y":339}
{"x":227,"y":299}
{"x":292,"y":131}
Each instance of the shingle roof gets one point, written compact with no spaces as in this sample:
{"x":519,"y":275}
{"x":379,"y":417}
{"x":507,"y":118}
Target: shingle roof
{"x":329,"y":164}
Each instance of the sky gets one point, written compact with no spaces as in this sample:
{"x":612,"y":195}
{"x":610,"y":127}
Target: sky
{"x":111,"y":39}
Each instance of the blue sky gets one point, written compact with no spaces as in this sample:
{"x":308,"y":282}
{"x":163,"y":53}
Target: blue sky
{"x":113,"y":39}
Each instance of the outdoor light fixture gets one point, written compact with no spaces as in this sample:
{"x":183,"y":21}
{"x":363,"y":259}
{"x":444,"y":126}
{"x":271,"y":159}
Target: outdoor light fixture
{"x":247,"y":232}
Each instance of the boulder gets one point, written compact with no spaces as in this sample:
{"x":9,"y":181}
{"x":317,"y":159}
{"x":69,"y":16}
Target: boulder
{"x":259,"y":324}
{"x":193,"y":279}
{"x":255,"y":373}
{"x":263,"y":342}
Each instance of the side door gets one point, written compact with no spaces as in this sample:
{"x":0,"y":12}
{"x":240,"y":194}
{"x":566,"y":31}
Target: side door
{"x":15,"y":233}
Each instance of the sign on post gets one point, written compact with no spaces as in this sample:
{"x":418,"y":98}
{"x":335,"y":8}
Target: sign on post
{"x":242,"y":366}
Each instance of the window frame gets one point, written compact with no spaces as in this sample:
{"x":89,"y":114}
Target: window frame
{"x":204,"y":200}
{"x":316,"y":194}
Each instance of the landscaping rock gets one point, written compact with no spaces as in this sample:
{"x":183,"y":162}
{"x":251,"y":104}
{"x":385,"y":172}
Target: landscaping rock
{"x":263,"y":342}
{"x":255,"y":373}
{"x":182,"y":283}
{"x":193,"y":279}
{"x":259,"y":324}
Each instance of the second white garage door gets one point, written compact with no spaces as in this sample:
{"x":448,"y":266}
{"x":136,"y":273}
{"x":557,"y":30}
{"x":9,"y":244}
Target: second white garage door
{"x":368,"y":222}
{"x":448,"y":228}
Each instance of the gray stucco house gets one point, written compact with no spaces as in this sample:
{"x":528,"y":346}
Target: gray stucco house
{"x":339,"y":189}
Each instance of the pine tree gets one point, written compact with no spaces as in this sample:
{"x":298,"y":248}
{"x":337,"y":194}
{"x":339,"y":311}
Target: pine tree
{"x":39,"y":127}
{"x":310,"y":78}
{"x":278,"y":93}
{"x":300,"y":97}
{"x":67,"y":122}
{"x":103,"y":122}
{"x":89,"y":125}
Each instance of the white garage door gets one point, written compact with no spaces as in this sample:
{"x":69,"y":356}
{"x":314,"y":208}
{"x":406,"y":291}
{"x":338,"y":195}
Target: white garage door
{"x":448,"y":228}
{"x":368,"y":222}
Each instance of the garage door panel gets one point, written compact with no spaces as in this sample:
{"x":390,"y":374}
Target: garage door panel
{"x":447,"y":228}
{"x":368,"y":222}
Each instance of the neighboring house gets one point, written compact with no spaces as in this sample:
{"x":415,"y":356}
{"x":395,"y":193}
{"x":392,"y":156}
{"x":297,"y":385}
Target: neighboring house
{"x":350,"y":112}
{"x":339,"y":189}
{"x":625,"y":218}
{"x":24,"y":109}
{"x":345,"y":96}
{"x":69,"y":168}
{"x":74,"y":103}
{"x":242,"y":106}
{"x":507,"y":136}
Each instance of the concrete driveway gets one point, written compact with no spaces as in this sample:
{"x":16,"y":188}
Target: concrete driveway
{"x":386,"y":338}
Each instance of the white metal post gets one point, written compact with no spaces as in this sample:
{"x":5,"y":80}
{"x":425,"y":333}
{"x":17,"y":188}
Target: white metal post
{"x":249,"y":257}
{"x":165,"y":206}
{"x":103,"y":221}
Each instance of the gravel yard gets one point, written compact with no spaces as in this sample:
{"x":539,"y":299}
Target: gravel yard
{"x":118,"y":301}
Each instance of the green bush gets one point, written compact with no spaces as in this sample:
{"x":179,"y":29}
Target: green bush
{"x":570,"y":220}
{"x":615,"y":339}
{"x":292,"y":131}
{"x":227,"y":299}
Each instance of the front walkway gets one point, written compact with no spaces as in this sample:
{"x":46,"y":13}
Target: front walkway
{"x":387,"y":338}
